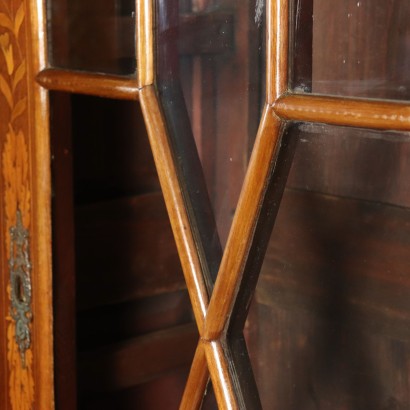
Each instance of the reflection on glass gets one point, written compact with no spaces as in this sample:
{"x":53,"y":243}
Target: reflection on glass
{"x":358,"y":48}
{"x":92,"y":35}
{"x":210,"y":84}
{"x":329,"y":327}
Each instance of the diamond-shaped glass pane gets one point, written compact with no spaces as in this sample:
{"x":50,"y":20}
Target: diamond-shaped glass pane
{"x":92,"y":35}
{"x":329,"y":323}
{"x":357,"y":48}
{"x":210,"y":82}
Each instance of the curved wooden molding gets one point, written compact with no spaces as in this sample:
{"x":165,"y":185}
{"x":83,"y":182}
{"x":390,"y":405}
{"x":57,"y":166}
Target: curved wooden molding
{"x":168,"y":177}
{"x":213,"y":316}
{"x":88,"y":83}
{"x":384,"y":115}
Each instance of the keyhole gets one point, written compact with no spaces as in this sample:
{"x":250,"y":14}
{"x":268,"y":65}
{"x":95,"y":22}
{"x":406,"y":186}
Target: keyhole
{"x":19,"y":289}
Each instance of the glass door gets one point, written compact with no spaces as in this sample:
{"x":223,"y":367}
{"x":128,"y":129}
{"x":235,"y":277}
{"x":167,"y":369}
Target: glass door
{"x":279,"y":136}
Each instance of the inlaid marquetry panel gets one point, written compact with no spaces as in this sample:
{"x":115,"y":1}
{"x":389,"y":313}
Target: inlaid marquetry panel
{"x":16,"y":199}
{"x":19,"y":367}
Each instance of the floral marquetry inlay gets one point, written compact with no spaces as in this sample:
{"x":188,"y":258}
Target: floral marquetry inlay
{"x":16,"y":192}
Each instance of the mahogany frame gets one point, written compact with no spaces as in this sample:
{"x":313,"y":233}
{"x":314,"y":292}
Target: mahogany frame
{"x":212,"y":312}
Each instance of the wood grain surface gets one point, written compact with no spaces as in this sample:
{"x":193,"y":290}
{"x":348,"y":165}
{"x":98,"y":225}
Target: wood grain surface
{"x":26,"y":178}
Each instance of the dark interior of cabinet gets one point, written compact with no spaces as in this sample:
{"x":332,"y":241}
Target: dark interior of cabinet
{"x":331,"y":309}
{"x":328,"y":328}
{"x":329,"y":324}
{"x":123,"y":324}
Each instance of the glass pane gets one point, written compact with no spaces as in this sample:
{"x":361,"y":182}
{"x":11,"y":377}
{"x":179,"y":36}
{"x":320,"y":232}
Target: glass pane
{"x":329,"y":324}
{"x":92,"y":35}
{"x":358,"y":48}
{"x":112,"y":240}
{"x":209,"y":402}
{"x":210,"y":82}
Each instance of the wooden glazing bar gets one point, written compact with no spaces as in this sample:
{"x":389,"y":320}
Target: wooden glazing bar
{"x":234,"y":259}
{"x":277,"y":12}
{"x":100,"y":85}
{"x":145,"y":42}
{"x":243,"y":225}
{"x":197,"y":381}
{"x":41,"y":212}
{"x":220,"y":375}
{"x":384,"y":115}
{"x":167,"y":173}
